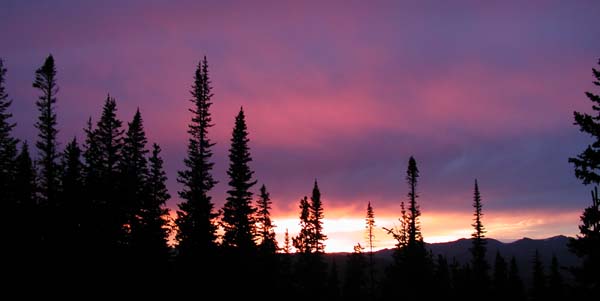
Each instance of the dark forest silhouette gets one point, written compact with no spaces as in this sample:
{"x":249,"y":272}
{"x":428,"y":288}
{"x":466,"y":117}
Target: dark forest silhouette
{"x":96,"y":210}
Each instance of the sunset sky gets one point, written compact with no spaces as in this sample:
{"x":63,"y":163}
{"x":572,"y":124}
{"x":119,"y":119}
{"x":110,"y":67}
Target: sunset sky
{"x":342,"y":92}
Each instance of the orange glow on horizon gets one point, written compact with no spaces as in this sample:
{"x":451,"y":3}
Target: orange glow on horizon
{"x":345,"y":231}
{"x":345,"y":227}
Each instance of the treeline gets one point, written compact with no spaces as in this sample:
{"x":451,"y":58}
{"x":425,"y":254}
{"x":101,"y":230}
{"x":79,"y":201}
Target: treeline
{"x":94,"y":212}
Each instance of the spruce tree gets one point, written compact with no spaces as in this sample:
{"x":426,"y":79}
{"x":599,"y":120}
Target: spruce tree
{"x":133,"y":167}
{"x":285,"y":280}
{"x":151,"y":234}
{"x":238,"y":212}
{"x":311,"y":270}
{"x":587,"y":164}
{"x":316,"y":220}
{"x":8,"y":145}
{"x":414,"y":227}
{"x":196,"y":215}
{"x":27,"y":234}
{"x":412,"y":267}
{"x":91,"y":201}
{"x":72,"y":212}
{"x":266,"y":233}
{"x":538,"y":288}
{"x":478,"y":249}
{"x":107,"y":215}
{"x":370,"y":229}
{"x":45,"y":82}
{"x":302,"y":240}
{"x":587,"y":168}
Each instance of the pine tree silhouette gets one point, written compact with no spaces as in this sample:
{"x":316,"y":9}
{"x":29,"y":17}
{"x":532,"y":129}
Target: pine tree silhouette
{"x":27,"y":233}
{"x":150,"y":235}
{"x":587,"y":167}
{"x":302,"y":240}
{"x":480,"y":266}
{"x":238,"y":213}
{"x":103,"y":154}
{"x":238,"y":220}
{"x":370,"y":229}
{"x":8,"y":148}
{"x":316,"y":221}
{"x":45,"y":82}
{"x":414,"y":227}
{"x":133,"y":167}
{"x":8,"y":167}
{"x":266,"y":233}
{"x":47,"y":145}
{"x":72,"y":210}
{"x":311,"y":269}
{"x":411,"y":271}
{"x":196,"y":217}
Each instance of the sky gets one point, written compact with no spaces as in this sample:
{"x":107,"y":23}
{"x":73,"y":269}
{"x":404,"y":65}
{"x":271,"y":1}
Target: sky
{"x":343,"y":92}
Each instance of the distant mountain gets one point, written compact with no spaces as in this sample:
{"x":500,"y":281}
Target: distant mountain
{"x":522,"y":249}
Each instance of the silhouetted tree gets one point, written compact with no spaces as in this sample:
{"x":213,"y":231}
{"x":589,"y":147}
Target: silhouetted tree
{"x":400,"y":233}
{"x":500,"y":281}
{"x":8,"y":154}
{"x":515,"y":284}
{"x":285,"y":280}
{"x":370,"y":226}
{"x":311,"y":269}
{"x":412,"y":268}
{"x":45,"y":82}
{"x":266,"y":233}
{"x":587,"y":247}
{"x":238,"y":212}
{"x":538,"y":288}
{"x":8,"y":148}
{"x":27,"y":234}
{"x":414,"y":227}
{"x":302,"y":240}
{"x":103,"y":154}
{"x":587,"y":166}
{"x":72,"y":211}
{"x":355,"y":281}
{"x":134,"y":171}
{"x":238,"y":220}
{"x":556,"y":285}
{"x":90,"y":219}
{"x":150,"y":236}
{"x":196,"y":217}
{"x":316,"y":220}
{"x":478,"y":250}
